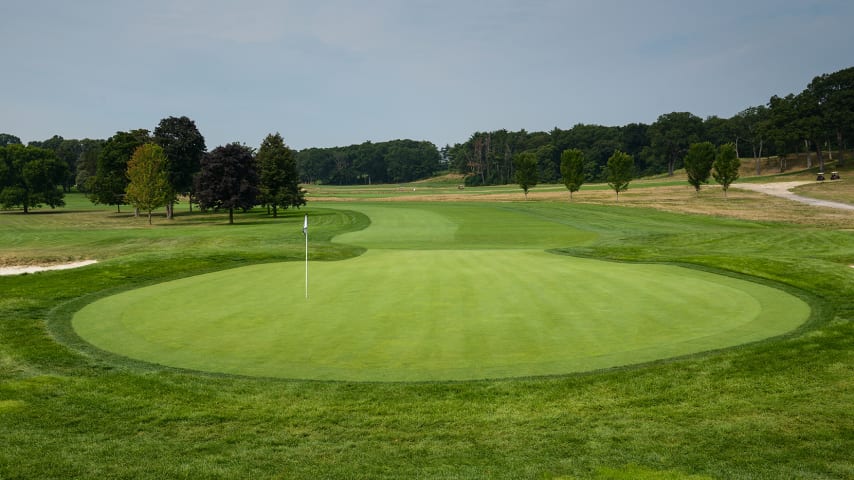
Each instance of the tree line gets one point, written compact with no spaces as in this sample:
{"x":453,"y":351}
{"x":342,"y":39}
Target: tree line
{"x":820,"y":117}
{"x":702,"y":161}
{"x":395,"y":161}
{"x":149,"y":170}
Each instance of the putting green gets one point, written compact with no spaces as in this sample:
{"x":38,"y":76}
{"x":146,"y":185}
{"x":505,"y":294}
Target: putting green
{"x":412,"y":315}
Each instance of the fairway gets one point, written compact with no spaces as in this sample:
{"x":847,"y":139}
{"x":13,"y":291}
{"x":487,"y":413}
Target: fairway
{"x":458,"y":293}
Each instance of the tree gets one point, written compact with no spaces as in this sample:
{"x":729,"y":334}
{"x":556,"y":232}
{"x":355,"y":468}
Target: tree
{"x":572,"y":169}
{"x":782,"y":128}
{"x":527,"y":171}
{"x":810,"y":122}
{"x":546,"y":163}
{"x":487,"y":158}
{"x":370,"y":164}
{"x":184,"y":147}
{"x":598,"y":143}
{"x":30,"y":177}
{"x":726,"y":166}
{"x":110,"y":182}
{"x":228,"y":179}
{"x":751,"y":124}
{"x":278,"y":177}
{"x":406,"y":160}
{"x":698,"y":163}
{"x":392,"y":161}
{"x":719,"y":130}
{"x":672,"y":133}
{"x":634,"y":137}
{"x":619,"y":171}
{"x":149,"y":186}
{"x":87,"y":163}
{"x":67,"y":150}
{"x":9,"y":139}
{"x":835,"y":95}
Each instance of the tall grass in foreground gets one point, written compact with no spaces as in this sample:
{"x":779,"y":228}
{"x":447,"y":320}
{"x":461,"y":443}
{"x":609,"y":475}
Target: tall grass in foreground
{"x":776,"y":409}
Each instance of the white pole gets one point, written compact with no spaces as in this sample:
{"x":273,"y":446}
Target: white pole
{"x":305,"y":232}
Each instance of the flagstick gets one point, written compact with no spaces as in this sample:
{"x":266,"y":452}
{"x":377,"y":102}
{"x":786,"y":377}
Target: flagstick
{"x":305,"y":232}
{"x":306,"y":266}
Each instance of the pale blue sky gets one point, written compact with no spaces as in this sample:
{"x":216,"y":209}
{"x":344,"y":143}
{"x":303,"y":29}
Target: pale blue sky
{"x":329,"y":73}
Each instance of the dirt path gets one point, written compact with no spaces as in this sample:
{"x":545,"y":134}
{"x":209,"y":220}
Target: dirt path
{"x":783,"y":189}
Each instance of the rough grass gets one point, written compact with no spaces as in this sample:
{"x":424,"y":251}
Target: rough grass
{"x":837,"y":190}
{"x":776,"y":409}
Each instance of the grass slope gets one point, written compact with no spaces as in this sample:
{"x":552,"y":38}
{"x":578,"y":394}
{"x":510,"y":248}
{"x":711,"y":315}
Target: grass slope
{"x":776,"y":409}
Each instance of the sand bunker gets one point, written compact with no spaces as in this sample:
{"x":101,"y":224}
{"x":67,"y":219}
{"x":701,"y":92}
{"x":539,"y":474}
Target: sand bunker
{"x":17,"y":270}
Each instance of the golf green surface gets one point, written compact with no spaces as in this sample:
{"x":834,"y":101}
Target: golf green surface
{"x":419,"y":309}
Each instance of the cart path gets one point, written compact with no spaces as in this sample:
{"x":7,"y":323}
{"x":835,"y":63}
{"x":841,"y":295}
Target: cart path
{"x":783,"y":189}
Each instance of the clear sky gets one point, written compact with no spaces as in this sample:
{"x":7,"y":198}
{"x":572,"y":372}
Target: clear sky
{"x":331,"y":73}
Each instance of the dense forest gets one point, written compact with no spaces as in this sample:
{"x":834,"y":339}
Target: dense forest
{"x":385,"y":162}
{"x":818,"y":119}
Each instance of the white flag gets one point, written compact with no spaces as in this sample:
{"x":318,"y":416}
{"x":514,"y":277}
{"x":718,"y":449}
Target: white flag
{"x":305,"y":226}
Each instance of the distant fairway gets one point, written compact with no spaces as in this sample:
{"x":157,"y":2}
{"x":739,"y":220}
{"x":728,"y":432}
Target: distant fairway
{"x":496,"y":306}
{"x":431,"y":226}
